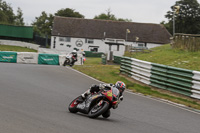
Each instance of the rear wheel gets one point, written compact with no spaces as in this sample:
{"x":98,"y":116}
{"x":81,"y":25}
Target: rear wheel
{"x":98,"y":110}
{"x":72,"y":106}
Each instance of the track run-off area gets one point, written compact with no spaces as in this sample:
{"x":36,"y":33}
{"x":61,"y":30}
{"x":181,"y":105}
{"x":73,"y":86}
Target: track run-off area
{"x":35,"y":99}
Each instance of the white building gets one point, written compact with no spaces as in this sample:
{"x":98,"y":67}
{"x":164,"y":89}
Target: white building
{"x":105,"y":36}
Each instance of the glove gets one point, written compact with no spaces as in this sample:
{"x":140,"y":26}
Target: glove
{"x":93,"y":86}
{"x":101,"y":86}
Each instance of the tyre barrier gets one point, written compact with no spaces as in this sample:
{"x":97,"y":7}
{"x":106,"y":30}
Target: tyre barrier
{"x":182,"y":81}
{"x":35,"y":58}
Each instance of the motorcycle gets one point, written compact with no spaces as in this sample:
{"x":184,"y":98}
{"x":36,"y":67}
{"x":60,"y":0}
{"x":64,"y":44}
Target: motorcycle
{"x":97,"y":104}
{"x":70,"y":60}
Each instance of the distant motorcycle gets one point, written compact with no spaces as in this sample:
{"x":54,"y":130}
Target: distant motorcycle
{"x":97,"y":104}
{"x":70,"y":60}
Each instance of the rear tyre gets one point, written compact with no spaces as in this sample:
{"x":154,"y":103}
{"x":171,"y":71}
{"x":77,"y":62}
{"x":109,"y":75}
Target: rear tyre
{"x":72,"y":106}
{"x":98,"y":110}
{"x":106,"y":114}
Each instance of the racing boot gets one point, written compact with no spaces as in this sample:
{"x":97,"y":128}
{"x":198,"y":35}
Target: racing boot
{"x":83,"y":96}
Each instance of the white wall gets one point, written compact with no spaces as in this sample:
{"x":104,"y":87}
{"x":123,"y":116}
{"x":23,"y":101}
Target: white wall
{"x":152,"y":45}
{"x":149,"y":45}
{"x":86,"y":46}
{"x":97,"y":42}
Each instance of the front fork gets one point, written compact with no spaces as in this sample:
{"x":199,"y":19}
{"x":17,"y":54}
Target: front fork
{"x":100,"y":103}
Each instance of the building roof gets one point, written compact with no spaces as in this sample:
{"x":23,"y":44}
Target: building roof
{"x":101,"y":29}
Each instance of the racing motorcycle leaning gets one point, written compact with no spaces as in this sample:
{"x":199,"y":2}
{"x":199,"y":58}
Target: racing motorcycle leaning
{"x":97,"y":104}
{"x":70,"y":60}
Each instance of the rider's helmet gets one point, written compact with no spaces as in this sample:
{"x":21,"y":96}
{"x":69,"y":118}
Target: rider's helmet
{"x":74,"y":53}
{"x":120,"y":86}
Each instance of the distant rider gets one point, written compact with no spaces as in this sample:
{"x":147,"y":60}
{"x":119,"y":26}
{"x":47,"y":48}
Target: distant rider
{"x":74,"y":57}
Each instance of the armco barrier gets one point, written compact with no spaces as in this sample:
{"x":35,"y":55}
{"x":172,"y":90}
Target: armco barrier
{"x":182,"y":81}
{"x":27,"y":57}
{"x":8,"y":56}
{"x":172,"y":79}
{"x":35,"y":58}
{"x":49,"y":59}
{"x":93,"y":54}
{"x":117,"y":59}
{"x":103,"y":59}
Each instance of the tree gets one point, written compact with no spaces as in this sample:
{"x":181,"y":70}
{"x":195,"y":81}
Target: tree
{"x":19,"y":20}
{"x":6,"y":13}
{"x":43,"y":24}
{"x":126,"y":20}
{"x":187,"y":20}
{"x":106,"y":16}
{"x":67,"y":12}
{"x":109,"y":16}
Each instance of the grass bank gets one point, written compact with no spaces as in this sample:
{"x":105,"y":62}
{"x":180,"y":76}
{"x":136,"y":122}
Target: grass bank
{"x":167,"y":56}
{"x":111,"y":74}
{"x":15,"y":48}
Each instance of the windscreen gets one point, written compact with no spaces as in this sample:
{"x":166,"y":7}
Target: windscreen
{"x":115,"y":91}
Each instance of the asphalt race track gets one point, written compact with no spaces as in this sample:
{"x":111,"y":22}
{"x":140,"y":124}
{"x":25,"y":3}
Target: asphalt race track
{"x":34,"y":99}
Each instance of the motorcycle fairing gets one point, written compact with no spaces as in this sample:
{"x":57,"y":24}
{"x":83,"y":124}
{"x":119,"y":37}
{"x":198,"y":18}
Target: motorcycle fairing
{"x":84,"y":107}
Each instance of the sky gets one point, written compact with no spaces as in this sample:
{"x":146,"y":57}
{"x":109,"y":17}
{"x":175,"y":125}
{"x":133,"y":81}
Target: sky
{"x":142,"y":11}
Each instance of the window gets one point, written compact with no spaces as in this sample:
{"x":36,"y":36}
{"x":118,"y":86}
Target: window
{"x":67,"y":39}
{"x":61,"y":44}
{"x":90,"y":41}
{"x":61,"y":39}
{"x":64,"y":39}
{"x":140,"y":45}
{"x":94,"y":49}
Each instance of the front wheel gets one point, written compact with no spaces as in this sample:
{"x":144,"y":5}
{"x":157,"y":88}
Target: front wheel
{"x":97,"y":109}
{"x":72,"y":106}
{"x":67,"y":62}
{"x":106,"y":114}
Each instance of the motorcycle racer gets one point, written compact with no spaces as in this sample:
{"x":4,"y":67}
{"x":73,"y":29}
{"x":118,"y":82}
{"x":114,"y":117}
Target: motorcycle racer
{"x":96,"y":88}
{"x":74,"y":57}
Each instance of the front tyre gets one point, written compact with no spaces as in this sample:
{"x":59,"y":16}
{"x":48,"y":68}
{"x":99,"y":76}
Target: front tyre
{"x":67,"y":62}
{"x":72,"y":106}
{"x":97,"y":110}
{"x":106,"y":114}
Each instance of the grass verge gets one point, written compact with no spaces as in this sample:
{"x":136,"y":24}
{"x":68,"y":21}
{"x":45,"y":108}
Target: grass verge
{"x":15,"y":48}
{"x":111,"y":74}
{"x":167,"y":56}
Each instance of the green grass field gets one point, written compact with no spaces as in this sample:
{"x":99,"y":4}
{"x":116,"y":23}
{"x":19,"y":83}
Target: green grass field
{"x":167,"y":56}
{"x":15,"y":48}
